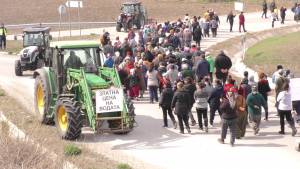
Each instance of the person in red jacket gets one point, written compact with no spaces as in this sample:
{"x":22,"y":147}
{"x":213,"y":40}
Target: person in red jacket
{"x":242,"y":22}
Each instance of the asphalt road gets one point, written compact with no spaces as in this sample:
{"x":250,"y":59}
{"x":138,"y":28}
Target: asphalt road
{"x":151,"y":146}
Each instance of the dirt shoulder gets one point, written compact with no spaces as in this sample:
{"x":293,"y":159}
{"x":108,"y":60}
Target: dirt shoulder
{"x":48,"y":137}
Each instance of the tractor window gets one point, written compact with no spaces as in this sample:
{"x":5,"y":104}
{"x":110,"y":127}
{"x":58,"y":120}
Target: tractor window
{"x":128,"y":9}
{"x":35,"y":39}
{"x":76,"y":58}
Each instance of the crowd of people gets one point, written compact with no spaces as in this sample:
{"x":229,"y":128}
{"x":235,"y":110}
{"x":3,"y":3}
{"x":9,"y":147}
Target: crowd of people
{"x":276,"y":12}
{"x":166,"y":59}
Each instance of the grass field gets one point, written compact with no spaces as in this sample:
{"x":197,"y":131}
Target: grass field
{"x":285,"y":50}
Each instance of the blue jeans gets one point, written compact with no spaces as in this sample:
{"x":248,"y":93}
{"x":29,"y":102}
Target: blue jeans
{"x":153,"y":93}
{"x":231,"y":124}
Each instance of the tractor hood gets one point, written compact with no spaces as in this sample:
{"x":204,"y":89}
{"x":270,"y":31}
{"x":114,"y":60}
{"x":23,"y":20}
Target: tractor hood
{"x":95,"y":81}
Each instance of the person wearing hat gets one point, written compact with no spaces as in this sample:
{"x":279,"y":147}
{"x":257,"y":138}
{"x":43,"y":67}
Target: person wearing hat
{"x":255,"y":101}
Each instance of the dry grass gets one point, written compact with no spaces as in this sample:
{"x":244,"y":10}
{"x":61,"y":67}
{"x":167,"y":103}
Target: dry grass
{"x":36,"y":11}
{"x":18,"y":154}
{"x":48,"y":137}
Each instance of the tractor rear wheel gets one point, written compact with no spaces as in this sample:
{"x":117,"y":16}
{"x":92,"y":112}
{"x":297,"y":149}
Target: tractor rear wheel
{"x":42,"y":99}
{"x":18,"y":68}
{"x":68,"y":118}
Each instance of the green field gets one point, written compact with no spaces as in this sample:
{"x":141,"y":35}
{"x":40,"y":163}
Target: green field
{"x":284,"y":50}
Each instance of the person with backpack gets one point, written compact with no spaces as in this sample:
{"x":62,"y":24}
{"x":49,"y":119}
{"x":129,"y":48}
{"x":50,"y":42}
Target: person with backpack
{"x":165,"y":103}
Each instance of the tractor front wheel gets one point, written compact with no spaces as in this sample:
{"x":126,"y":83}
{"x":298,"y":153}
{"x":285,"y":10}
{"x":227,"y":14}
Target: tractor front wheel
{"x":42,"y":99}
{"x":18,"y":68}
{"x":68,"y":118}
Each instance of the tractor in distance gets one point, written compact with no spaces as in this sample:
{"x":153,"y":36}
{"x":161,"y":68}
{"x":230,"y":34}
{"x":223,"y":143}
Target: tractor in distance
{"x":76,"y":91}
{"x":132,"y":14}
{"x":35,"y":42}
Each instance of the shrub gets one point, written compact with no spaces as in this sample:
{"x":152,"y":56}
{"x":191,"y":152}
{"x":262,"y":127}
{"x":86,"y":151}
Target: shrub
{"x":72,"y":150}
{"x":123,"y":166}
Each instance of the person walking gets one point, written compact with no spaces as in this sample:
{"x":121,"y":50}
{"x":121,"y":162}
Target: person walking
{"x":272,"y":6}
{"x":230,"y":19}
{"x":274,"y":18}
{"x":282,"y":14}
{"x":3,"y":33}
{"x":242,"y":22}
{"x":211,"y":62}
{"x":229,"y":117}
{"x":202,"y":67}
{"x":201,"y":97}
{"x":181,"y":102}
{"x":165,"y":103}
{"x":197,"y":35}
{"x":152,"y":81}
{"x":240,"y":108}
{"x":265,"y":9}
{"x":254,"y":102}
{"x":214,"y":100}
{"x":264,"y":89}
{"x":214,"y":27}
{"x":285,"y":109}
{"x":190,"y":87}
{"x":222,"y":64}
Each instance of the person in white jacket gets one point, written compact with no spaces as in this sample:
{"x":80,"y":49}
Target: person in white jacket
{"x":285,"y":109}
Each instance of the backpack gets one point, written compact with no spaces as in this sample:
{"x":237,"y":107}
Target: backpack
{"x":214,"y":24}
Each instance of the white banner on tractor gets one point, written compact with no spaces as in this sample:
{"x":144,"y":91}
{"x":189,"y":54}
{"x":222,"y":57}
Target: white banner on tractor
{"x":109,"y":100}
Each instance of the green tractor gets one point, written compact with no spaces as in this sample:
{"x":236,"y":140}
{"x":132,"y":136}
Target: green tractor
{"x":74,"y":90}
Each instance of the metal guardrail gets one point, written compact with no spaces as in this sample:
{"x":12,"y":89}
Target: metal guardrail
{"x":63,"y":24}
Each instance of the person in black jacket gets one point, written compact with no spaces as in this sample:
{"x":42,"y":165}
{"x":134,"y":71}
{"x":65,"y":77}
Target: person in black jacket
{"x":223,"y":64}
{"x":229,"y":116}
{"x":190,"y":87}
{"x":165,"y":103}
{"x":181,"y":102}
{"x":230,"y":19}
{"x":214,"y":100}
{"x":197,"y":35}
{"x":265,"y":9}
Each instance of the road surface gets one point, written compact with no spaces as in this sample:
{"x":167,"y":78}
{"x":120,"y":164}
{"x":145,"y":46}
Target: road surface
{"x":151,"y":146}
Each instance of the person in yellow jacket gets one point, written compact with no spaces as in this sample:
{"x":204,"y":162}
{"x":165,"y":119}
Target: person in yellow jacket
{"x":3,"y":33}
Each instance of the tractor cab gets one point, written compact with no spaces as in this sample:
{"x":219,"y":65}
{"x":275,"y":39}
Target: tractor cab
{"x":36,"y":40}
{"x":132,"y":14}
{"x":36,"y":36}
